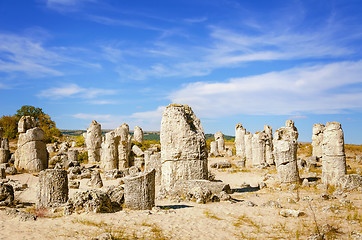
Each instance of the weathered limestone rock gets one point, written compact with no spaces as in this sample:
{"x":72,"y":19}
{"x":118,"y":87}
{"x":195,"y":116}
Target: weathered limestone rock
{"x":96,"y":180}
{"x":93,"y":200}
{"x":258,"y":149}
{"x":110,"y":151}
{"x":333,"y":159}
{"x":6,"y":194}
{"x":139,"y":191}
{"x":73,"y":155}
{"x":31,"y":154}
{"x":139,"y":162}
{"x":137,"y":150}
{"x":285,"y":152}
{"x":350,"y":182}
{"x":213,"y":149}
{"x":2,"y":173}
{"x":183,"y":146}
{"x":94,"y":142}
{"x":228,"y":152}
{"x":154,"y":162}
{"x":248,"y":148}
{"x":216,"y":188}
{"x":317,"y":139}
{"x":219,"y":138}
{"x":269,"y":157}
{"x":240,"y":141}
{"x":53,"y":188}
{"x":25,"y":123}
{"x":138,"y":134}
{"x":124,"y":146}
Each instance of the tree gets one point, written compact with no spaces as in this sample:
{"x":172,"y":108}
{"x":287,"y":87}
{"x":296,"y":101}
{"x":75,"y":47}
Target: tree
{"x":28,"y":110}
{"x":10,"y":126}
{"x":43,"y":121}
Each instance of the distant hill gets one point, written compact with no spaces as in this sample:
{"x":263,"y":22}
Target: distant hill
{"x":147,"y":135}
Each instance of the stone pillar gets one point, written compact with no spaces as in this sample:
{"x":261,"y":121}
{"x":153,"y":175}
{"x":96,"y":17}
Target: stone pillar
{"x":138,"y":134}
{"x":219,"y":138}
{"x":317,"y":139}
{"x":109,"y":160}
{"x":285,"y":152}
{"x":213,"y":149}
{"x":183,"y":146}
{"x":240,"y":141}
{"x":139,"y":191}
{"x":53,"y":188}
{"x":31,"y":154}
{"x":94,"y":142}
{"x":4,"y":150}
{"x":334,"y":158}
{"x":258,"y":149}
{"x":248,"y":148}
{"x":124,"y":146}
{"x":269,"y":157}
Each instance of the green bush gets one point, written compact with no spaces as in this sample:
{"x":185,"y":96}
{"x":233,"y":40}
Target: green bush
{"x":83,"y":157}
{"x":79,"y":141}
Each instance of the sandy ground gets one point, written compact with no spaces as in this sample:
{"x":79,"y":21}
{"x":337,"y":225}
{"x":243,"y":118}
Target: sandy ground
{"x":189,"y":220}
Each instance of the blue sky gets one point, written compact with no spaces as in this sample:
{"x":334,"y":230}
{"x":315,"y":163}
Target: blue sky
{"x":254,"y":62}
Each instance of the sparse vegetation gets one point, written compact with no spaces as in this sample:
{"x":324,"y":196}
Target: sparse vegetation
{"x":211,"y":215}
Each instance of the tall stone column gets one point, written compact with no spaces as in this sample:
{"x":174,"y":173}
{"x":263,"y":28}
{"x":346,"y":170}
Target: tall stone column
{"x":269,"y":157}
{"x":317,"y":139}
{"x":240,"y":141}
{"x":334,"y":158}
{"x":258,"y":148}
{"x":219,"y":138}
{"x":285,"y":152}
{"x":183,"y":146}
{"x":138,"y":134}
{"x":31,"y":154}
{"x":94,"y":142}
{"x":109,"y":160}
{"x":124,"y":146}
{"x":248,"y":148}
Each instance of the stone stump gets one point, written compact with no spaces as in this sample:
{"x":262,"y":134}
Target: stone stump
{"x":53,"y":188}
{"x":285,"y":152}
{"x":94,"y":142}
{"x":4,"y":150}
{"x":138,"y":134}
{"x":183,"y":146}
{"x":317,"y":140}
{"x":240,"y":141}
{"x":139,"y":191}
{"x":213,"y":149}
{"x":334,"y":158}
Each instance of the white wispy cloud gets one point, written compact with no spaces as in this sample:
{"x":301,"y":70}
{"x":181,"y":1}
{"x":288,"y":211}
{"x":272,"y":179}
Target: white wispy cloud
{"x":315,"y":89}
{"x":91,"y":117}
{"x":29,"y":56}
{"x":75,"y":91}
{"x":66,"y":5}
{"x":148,"y":120}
